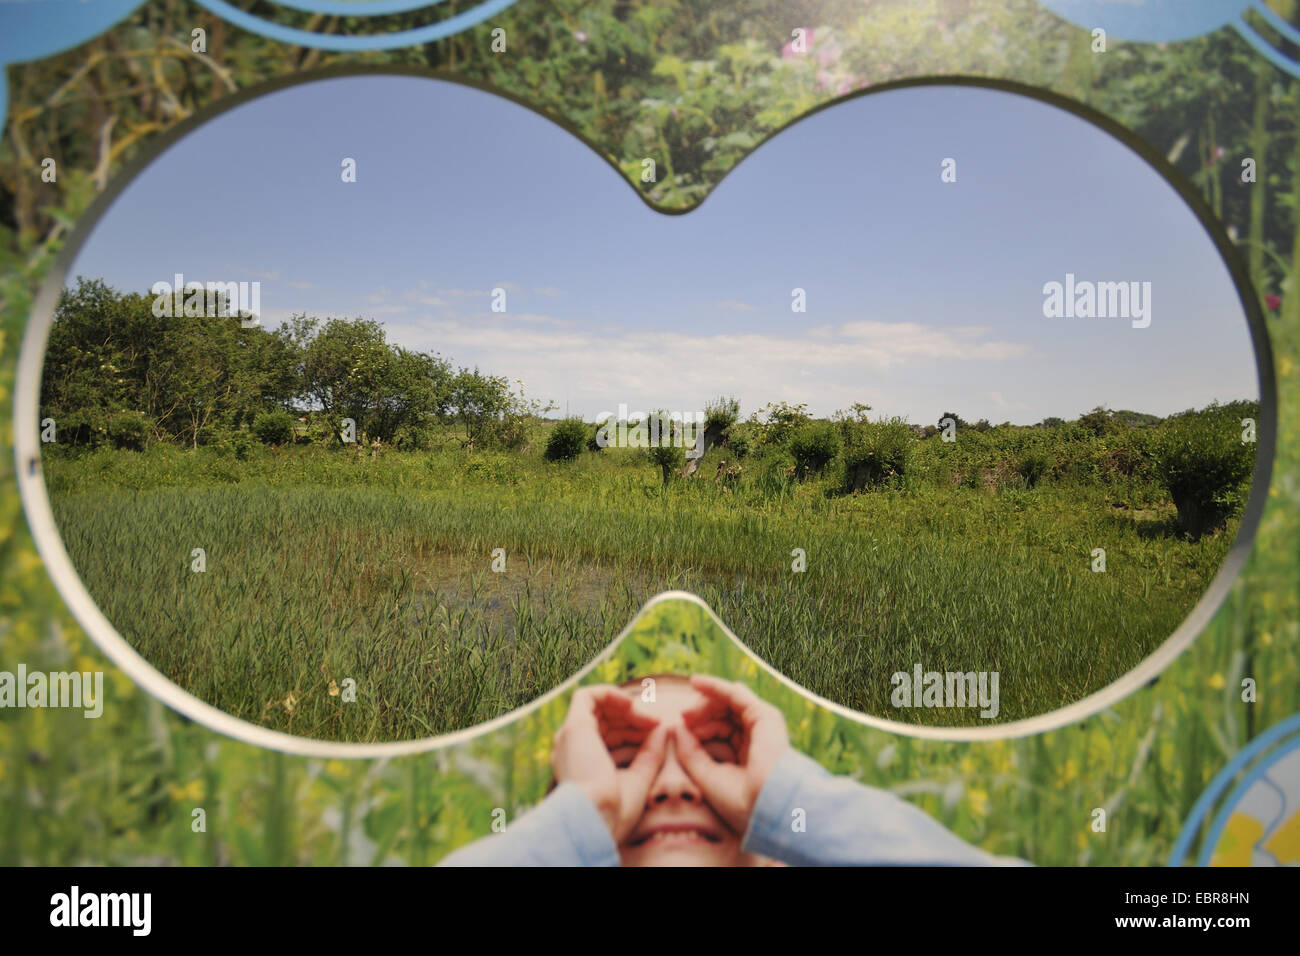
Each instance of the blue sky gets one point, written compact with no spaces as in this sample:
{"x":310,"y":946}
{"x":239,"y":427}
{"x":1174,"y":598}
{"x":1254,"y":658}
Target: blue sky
{"x":923,"y":296}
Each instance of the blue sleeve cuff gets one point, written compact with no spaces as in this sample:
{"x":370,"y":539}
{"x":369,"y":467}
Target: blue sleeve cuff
{"x":807,"y":816}
{"x":565,"y":829}
{"x":587,"y":832}
{"x":771,"y":825}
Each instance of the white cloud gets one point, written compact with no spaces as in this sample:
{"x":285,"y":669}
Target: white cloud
{"x":831,"y":370}
{"x":904,"y":340}
{"x":461,"y":293}
{"x":1004,"y":405}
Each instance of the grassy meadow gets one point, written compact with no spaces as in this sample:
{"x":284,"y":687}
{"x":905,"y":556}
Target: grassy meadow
{"x":324,"y":564}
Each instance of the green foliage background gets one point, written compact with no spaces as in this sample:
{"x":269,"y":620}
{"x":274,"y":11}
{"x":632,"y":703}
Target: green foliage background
{"x":696,"y":85}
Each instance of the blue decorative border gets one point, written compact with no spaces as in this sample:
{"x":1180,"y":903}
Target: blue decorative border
{"x":1221,"y":782}
{"x":36,"y":29}
{"x":382,"y":41}
{"x":1170,"y":21}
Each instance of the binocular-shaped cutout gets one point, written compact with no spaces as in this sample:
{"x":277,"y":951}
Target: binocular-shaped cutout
{"x":372,"y":409}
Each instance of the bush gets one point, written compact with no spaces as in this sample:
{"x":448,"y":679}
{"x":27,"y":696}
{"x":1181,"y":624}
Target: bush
{"x":226,"y":442}
{"x":274,"y":428}
{"x":509,"y":434}
{"x":567,"y":440}
{"x":1033,"y":465}
{"x":721,"y":413}
{"x":669,"y":456}
{"x":780,"y":421}
{"x":813,"y":446}
{"x":128,"y":430}
{"x":413,"y":438}
{"x":877,"y":453}
{"x":321,"y":430}
{"x":1203,"y":464}
{"x":80,"y":428}
{"x":1099,"y":422}
{"x":742,"y":439}
{"x":1129,"y":456}
{"x":667,"y":453}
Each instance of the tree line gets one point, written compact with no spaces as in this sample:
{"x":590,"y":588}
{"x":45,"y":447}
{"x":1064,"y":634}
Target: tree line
{"x":116,"y":373}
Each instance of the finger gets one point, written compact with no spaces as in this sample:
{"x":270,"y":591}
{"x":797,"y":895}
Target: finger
{"x":710,"y":709}
{"x":618,"y":709}
{"x":749,"y":708}
{"x":722,"y":698}
{"x":738,"y":695}
{"x":647,"y":763}
{"x":713,"y":729}
{"x":696,"y":761}
{"x":583,"y":708}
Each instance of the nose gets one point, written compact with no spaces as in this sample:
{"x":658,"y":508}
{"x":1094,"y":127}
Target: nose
{"x":673,"y":784}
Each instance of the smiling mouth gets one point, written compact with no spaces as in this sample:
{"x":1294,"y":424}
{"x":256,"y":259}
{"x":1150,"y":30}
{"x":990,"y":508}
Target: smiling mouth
{"x":675,"y":836}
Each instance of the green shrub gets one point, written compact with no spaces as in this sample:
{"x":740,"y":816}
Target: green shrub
{"x":567,"y":440}
{"x":742,"y":439}
{"x":813,"y":446}
{"x":413,"y":438}
{"x":508,"y":434}
{"x":780,"y":421}
{"x":242,"y":445}
{"x":1033,"y":465}
{"x":669,"y":456}
{"x":130,"y":430}
{"x":666,"y":452}
{"x":79,"y":428}
{"x":721,"y":413}
{"x":1204,"y":465}
{"x":1099,"y":422}
{"x":1129,"y":456}
{"x":274,"y":428}
{"x":877,"y":453}
{"x":227,"y":442}
{"x":321,"y":430}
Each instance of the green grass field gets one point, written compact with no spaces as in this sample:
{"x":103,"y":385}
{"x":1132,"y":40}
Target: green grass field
{"x":326,"y":565}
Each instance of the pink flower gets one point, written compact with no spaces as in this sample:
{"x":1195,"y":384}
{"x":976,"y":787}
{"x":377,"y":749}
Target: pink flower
{"x":1273,"y":302}
{"x":829,"y":54}
{"x":580,"y":36}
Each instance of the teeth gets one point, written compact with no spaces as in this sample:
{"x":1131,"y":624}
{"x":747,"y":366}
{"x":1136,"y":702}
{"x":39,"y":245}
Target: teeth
{"x":676,"y":836}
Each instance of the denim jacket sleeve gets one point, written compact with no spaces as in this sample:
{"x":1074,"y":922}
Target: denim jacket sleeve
{"x":565,"y":829}
{"x":845,"y":823}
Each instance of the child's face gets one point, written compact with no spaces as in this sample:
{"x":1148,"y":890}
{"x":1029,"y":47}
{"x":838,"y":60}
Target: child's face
{"x":678,"y":828}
